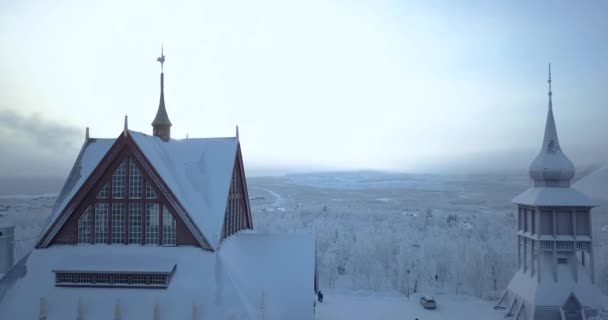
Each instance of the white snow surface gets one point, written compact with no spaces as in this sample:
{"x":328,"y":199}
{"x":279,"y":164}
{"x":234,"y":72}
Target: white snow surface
{"x":553,"y":196}
{"x":198,"y":172}
{"x":365,"y":305}
{"x":225,"y":284}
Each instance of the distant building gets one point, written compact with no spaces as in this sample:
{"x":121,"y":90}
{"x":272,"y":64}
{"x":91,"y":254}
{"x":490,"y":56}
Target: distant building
{"x":554,"y":279}
{"x":150,"y":227}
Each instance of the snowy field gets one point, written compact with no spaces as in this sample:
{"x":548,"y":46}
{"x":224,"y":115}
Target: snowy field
{"x":378,"y":232}
{"x":364,"y":305}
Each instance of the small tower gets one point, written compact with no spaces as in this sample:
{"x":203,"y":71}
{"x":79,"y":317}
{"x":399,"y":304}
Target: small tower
{"x":554,"y":279}
{"x":161,"y":126}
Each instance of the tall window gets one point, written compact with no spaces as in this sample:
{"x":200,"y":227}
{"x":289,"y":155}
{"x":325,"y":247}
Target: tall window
{"x":152,"y":223}
{"x":119,"y":181}
{"x":101,"y":223}
{"x":127,"y":210}
{"x":169,"y":228}
{"x":118,"y":222}
{"x":135,"y":212}
{"x":136,"y":181}
{"x":84,"y":227}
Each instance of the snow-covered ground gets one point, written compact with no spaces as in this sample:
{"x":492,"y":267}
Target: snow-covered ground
{"x":372,"y":228}
{"x":365,"y":305}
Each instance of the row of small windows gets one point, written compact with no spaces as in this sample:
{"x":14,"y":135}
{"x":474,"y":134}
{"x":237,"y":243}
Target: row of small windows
{"x":63,"y":279}
{"x":136,"y":182}
{"x":143,"y":226}
{"x":565,"y":220}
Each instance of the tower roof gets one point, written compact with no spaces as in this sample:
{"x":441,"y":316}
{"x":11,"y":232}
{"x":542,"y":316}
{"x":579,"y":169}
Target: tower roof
{"x":551,"y":168}
{"x":162,"y":118}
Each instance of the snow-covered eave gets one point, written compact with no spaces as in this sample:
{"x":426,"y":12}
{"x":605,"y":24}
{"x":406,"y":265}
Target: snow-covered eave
{"x":63,"y":193}
{"x":64,"y":210}
{"x":553,"y":197}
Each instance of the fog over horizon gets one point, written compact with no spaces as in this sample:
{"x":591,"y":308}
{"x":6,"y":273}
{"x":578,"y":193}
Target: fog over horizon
{"x":313,"y":85}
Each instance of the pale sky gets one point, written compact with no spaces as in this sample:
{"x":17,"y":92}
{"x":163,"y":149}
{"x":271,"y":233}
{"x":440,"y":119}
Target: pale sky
{"x":313,"y":85}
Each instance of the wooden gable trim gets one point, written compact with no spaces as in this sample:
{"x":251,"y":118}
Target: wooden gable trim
{"x":84,"y":190}
{"x":239,"y":161}
{"x":238,"y":181}
{"x":122,"y":145}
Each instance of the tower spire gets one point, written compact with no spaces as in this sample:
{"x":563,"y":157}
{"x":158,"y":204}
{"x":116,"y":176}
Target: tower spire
{"x":161,"y":126}
{"x":551,"y":167}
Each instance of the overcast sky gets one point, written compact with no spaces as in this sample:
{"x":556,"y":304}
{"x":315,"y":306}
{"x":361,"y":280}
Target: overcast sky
{"x":313,"y":85}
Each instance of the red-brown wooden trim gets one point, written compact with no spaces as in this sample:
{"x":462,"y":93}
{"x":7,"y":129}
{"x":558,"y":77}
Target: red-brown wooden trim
{"x":121,"y":149}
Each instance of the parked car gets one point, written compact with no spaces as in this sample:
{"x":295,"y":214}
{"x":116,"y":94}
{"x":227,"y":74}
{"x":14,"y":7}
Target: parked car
{"x":428,"y":302}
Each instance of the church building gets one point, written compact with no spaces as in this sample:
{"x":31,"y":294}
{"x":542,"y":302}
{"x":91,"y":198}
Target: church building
{"x":153,"y":227}
{"x":554,"y":279}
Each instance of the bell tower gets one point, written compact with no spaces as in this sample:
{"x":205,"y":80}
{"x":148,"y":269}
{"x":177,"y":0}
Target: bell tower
{"x":554,"y":279}
{"x":161,"y":125}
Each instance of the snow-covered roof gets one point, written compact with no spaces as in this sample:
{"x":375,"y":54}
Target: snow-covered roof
{"x":553,"y":197}
{"x":225,"y":284}
{"x":281,"y":265}
{"x":89,"y":157}
{"x":198,"y":172}
{"x":113,"y":261}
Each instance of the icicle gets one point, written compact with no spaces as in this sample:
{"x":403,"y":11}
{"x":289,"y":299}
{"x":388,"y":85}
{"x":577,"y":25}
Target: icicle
{"x":126,"y":130}
{"x":43,"y":309}
{"x":117,"y":313}
{"x":156,"y":313}
{"x":194,"y":311}
{"x":79,"y":310}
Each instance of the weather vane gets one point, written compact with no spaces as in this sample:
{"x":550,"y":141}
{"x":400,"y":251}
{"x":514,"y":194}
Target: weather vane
{"x":161,"y":59}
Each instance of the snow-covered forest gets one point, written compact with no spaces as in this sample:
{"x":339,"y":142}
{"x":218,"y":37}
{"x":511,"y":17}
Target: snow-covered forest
{"x":425,"y":233}
{"x":376,"y":231}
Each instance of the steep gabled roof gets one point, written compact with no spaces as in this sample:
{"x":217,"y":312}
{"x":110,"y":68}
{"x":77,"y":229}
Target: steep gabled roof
{"x":198,"y":173}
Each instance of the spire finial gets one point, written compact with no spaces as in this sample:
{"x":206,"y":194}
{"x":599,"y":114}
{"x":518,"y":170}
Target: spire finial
{"x":161,"y":59}
{"x":237,"y":131}
{"x":126,"y":129}
{"x":549,"y":81}
{"x":86,"y":134}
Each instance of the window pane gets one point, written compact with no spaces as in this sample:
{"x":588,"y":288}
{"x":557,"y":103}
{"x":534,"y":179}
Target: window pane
{"x":84,"y":227}
{"x":101,"y":223}
{"x":169,"y":228}
{"x":104,"y":192}
{"x":118,"y":223}
{"x":582,"y":223}
{"x":150,"y":193}
{"x":564,"y":222}
{"x":135,"y":181}
{"x":135,"y":212}
{"x":119,"y":180}
{"x":152,"y":223}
